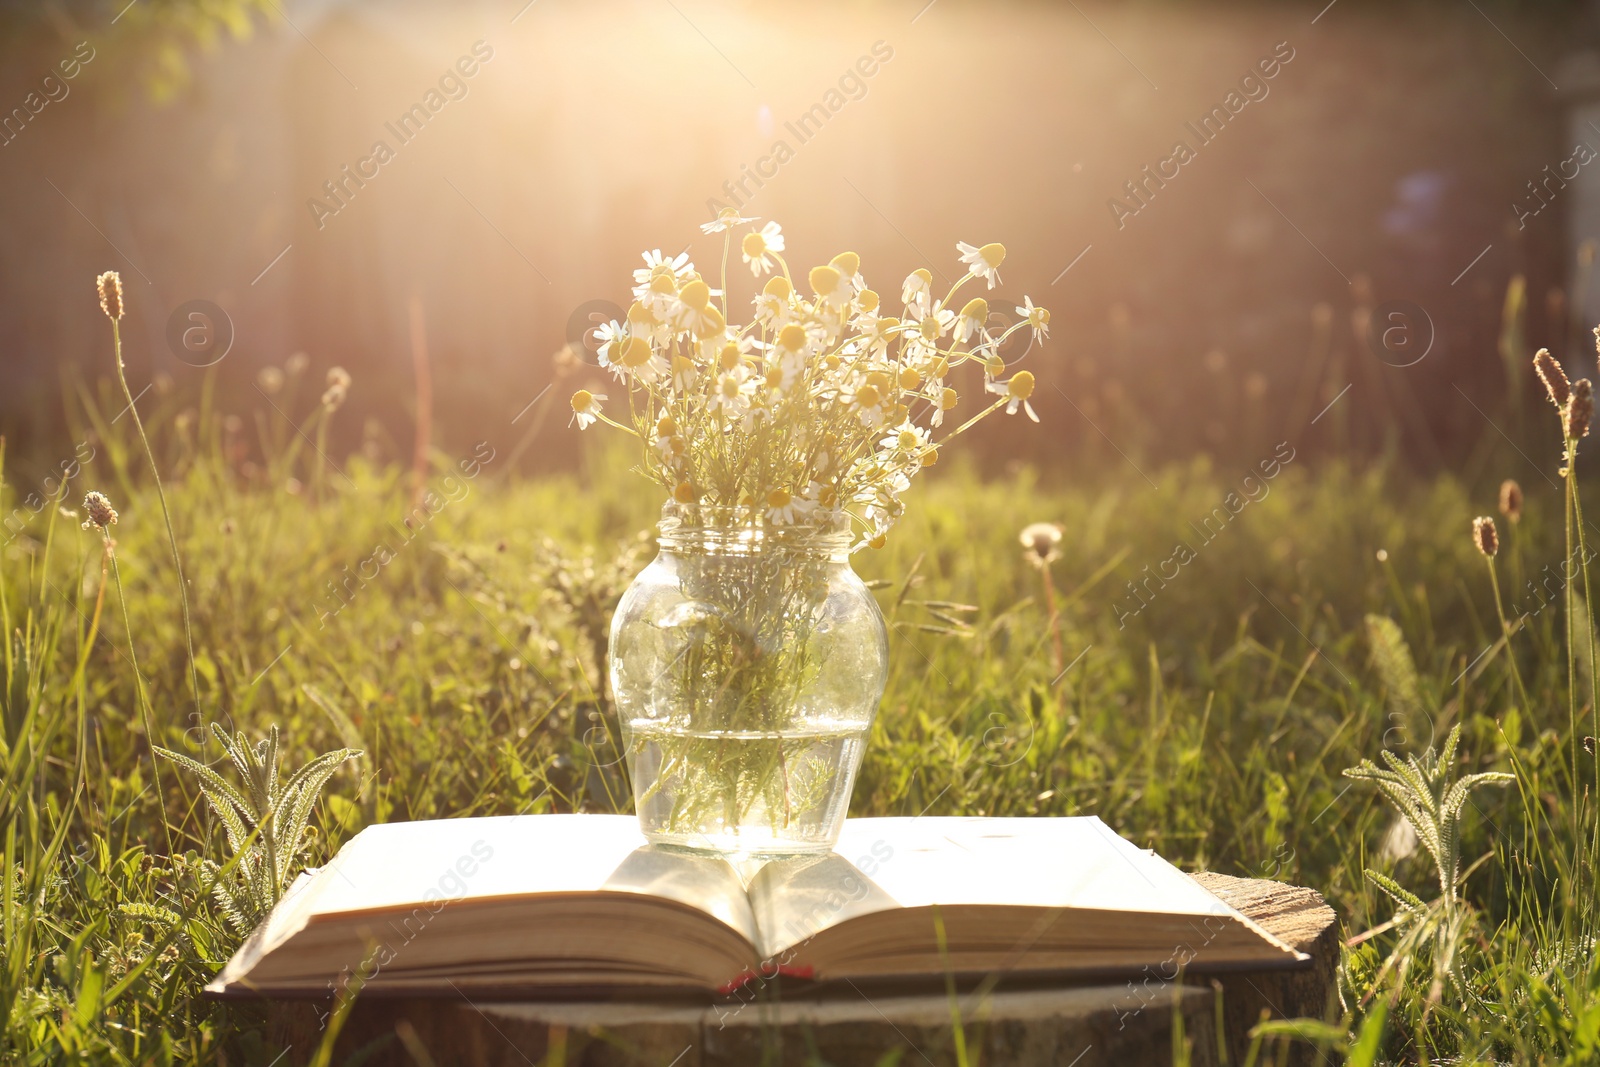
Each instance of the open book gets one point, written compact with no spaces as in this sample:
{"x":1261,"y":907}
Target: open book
{"x":542,"y":905}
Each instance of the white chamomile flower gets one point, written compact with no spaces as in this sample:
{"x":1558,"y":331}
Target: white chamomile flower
{"x":917,"y":293}
{"x":684,"y":372}
{"x":910,"y":439}
{"x":1017,"y":390}
{"x":925,"y":333}
{"x":726,"y":219}
{"x":666,"y":431}
{"x":784,"y":507}
{"x":874,"y":334}
{"x":586,"y":408}
{"x":634,"y":357}
{"x":831,"y":288}
{"x":694,"y":311}
{"x":1037,"y":317}
{"x":730,"y":394}
{"x":983,"y":262}
{"x":756,"y":245}
{"x":848,"y":264}
{"x":608,"y":334}
{"x":974,"y":314}
{"x":944,"y":401}
{"x":678,"y":267}
{"x":867,"y":309}
{"x":775,"y":304}
{"x":821,"y":499}
{"x":658,"y":296}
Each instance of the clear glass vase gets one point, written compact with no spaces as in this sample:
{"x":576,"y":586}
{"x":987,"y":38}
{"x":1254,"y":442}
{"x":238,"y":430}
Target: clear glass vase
{"x":747,"y":661}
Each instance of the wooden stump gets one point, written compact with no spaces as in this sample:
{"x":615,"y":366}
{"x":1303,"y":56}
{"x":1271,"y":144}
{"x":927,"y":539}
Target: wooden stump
{"x":1079,"y":1025}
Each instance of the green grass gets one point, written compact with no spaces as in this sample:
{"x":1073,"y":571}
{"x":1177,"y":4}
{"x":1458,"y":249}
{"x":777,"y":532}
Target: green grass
{"x":463,"y":656}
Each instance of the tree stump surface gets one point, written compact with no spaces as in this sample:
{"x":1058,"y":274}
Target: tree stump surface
{"x":1063,"y":1025}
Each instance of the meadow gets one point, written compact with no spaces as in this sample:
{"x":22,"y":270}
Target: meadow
{"x":455,"y":635}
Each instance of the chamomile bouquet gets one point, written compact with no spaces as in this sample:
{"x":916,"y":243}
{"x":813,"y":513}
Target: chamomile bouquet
{"x":823,"y":405}
{"x":748,"y":659}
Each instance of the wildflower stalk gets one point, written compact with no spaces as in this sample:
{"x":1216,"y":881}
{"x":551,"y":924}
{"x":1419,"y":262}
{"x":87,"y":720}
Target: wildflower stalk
{"x":1506,"y":631}
{"x":1039,"y":542}
{"x":111,"y":300}
{"x":1055,"y":617}
{"x":1583,"y":564}
{"x":102,"y":518}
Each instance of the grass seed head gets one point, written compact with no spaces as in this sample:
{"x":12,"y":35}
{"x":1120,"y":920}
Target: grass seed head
{"x":101,"y":513}
{"x":1511,"y":500}
{"x":1039,"y":542}
{"x":1580,"y":409}
{"x":1553,"y":377}
{"x":338,"y":388}
{"x":110,"y":286}
{"x":1485,"y":536}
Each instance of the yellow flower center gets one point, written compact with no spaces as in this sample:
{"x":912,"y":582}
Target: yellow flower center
{"x":779,"y":498}
{"x":908,"y":440}
{"x":923,"y":275}
{"x":635,"y":352}
{"x":730,"y":357}
{"x":947,"y":400}
{"x":663,"y":284}
{"x":1040,"y":317}
{"x":582,"y":401}
{"x":711,"y":323}
{"x":878,"y":380}
{"x":775,"y":377}
{"x":681,"y":364}
{"x":867,"y":396}
{"x":993,"y":254}
{"x":778,"y":286}
{"x":994,"y":365}
{"x":879,"y":541}
{"x":824,"y":280}
{"x":939,"y":368}
{"x":909,"y":378}
{"x":867,"y":300}
{"x":696,"y":294}
{"x":684,"y":494}
{"x":792,"y":337}
{"x":1021,"y":385}
{"x":730,"y":387}
{"x":977,"y":309}
{"x":849,"y":263}
{"x":666,"y":427}
{"x":929,"y":328}
{"x":930,"y":457}
{"x":830,"y":362}
{"x":754,"y":245}
{"x":639,"y":313}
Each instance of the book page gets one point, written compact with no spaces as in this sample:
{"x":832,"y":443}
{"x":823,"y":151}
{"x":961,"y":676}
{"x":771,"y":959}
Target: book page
{"x":1076,"y":862}
{"x":395,"y":865}
{"x":426,"y":867}
{"x":794,"y":899}
{"x":1013,"y":895}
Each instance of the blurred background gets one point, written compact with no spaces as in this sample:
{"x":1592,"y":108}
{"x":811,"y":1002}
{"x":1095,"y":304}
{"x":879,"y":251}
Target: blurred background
{"x":1369,"y":242}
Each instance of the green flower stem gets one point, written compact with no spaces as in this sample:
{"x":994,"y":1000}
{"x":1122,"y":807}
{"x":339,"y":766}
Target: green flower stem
{"x":166,"y":514}
{"x":1505,"y":630}
{"x":140,"y":697}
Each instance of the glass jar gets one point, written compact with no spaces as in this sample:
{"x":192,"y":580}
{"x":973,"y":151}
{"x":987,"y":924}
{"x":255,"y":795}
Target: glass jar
{"x":747,"y":662}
